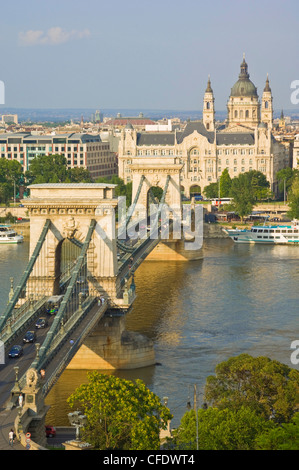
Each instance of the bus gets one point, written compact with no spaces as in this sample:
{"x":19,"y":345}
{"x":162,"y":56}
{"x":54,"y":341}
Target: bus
{"x":223,"y":200}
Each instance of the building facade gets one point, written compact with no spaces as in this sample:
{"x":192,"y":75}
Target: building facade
{"x":244,"y":142}
{"x":80,"y":150}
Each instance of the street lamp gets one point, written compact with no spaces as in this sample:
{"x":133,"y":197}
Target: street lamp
{"x":78,"y":420}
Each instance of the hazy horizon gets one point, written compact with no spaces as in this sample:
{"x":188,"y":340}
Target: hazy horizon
{"x":143,"y":54}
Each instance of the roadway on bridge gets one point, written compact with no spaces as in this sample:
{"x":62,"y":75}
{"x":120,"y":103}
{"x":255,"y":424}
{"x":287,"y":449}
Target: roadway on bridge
{"x":7,"y":373}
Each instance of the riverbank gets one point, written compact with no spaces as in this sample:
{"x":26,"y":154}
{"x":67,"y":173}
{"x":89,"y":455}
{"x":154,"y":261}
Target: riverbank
{"x":210,"y":230}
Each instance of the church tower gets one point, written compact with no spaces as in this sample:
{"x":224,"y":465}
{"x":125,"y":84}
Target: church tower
{"x":267,"y":106}
{"x":243,"y":106}
{"x":208,"y":113}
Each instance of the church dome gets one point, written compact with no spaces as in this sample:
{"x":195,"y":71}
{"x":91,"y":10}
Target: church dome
{"x":244,"y":86}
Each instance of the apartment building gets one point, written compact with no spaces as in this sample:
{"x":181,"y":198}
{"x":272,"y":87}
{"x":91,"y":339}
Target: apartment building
{"x":80,"y":150}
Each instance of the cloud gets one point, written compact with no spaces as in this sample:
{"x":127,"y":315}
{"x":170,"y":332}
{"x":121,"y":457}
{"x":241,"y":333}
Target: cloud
{"x":53,"y":37}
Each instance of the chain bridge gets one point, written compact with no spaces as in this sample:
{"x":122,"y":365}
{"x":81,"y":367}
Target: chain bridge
{"x":80,"y":281}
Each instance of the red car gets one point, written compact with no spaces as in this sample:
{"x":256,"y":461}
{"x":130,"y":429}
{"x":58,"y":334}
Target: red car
{"x":50,"y":431}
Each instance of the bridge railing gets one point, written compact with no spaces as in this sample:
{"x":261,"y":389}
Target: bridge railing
{"x":74,"y":348}
{"x":59,"y":317}
{"x":23,"y":318}
{"x":18,"y":291}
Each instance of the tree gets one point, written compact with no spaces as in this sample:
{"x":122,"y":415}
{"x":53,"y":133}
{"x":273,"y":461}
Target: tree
{"x":220,"y":429}
{"x":211,"y":191}
{"x":285,"y":178}
{"x":294,"y":199}
{"x":225,"y":184}
{"x":47,"y":169}
{"x":79,"y":175}
{"x":11,"y":172}
{"x":266,"y":386}
{"x":284,"y":437}
{"x":120,"y":414}
{"x":259,"y":184}
{"x":242,"y":194}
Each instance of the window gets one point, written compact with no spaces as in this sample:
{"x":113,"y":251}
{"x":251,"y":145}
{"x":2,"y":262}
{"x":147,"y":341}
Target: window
{"x":247,"y":113}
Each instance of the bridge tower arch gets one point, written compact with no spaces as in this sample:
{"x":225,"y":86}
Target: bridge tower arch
{"x":70,"y":209}
{"x":156,"y":174}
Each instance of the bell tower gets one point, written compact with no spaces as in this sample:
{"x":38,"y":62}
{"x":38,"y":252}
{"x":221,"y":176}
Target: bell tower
{"x":267,"y":106}
{"x":208,"y":113}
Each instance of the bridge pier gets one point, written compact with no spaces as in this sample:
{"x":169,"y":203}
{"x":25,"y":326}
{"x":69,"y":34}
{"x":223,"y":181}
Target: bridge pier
{"x":109,"y":347}
{"x":174,"y":250}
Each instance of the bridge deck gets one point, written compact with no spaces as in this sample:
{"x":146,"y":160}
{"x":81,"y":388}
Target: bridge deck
{"x":8,"y":409}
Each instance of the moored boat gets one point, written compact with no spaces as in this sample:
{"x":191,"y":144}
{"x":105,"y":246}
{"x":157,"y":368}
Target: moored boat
{"x":267,"y":234}
{"x":9,"y":236}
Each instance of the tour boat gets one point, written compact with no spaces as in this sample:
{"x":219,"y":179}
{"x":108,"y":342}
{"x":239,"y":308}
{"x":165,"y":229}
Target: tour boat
{"x":267,"y":234}
{"x":9,"y":236}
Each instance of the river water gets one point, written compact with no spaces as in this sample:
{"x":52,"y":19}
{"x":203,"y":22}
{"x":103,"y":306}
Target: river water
{"x":238,"y":299}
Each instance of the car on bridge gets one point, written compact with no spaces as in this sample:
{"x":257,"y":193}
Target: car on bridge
{"x":16,"y":351}
{"x":50,"y":431}
{"x":53,"y":304}
{"x":29,"y":337}
{"x":41,"y":323}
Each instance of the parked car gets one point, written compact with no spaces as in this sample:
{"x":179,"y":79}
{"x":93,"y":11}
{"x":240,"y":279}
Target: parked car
{"x":16,"y":351}
{"x":41,"y":323}
{"x":50,"y":431}
{"x":29,"y":337}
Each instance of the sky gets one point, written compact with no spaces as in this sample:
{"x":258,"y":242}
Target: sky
{"x":144,"y":54}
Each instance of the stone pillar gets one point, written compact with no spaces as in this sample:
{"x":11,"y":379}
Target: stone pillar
{"x":109,"y":346}
{"x":34,"y":408}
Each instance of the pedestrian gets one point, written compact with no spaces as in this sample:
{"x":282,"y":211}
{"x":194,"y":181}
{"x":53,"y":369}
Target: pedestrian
{"x":11,"y":437}
{"x":20,"y":400}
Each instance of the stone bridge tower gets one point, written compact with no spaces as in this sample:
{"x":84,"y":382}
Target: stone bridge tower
{"x":70,"y":208}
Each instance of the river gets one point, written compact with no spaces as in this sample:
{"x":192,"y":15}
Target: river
{"x":238,"y":299}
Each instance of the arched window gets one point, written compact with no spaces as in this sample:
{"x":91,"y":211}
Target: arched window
{"x":247,"y":113}
{"x":266,"y":104}
{"x":236,"y":114}
{"x":208,"y":105}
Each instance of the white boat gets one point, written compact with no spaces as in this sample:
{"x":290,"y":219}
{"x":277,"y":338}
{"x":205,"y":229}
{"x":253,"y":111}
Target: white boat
{"x":267,"y":234}
{"x":9,"y":236}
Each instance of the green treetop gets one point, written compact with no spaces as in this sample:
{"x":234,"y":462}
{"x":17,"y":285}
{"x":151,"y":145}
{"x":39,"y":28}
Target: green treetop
{"x":120,"y":414}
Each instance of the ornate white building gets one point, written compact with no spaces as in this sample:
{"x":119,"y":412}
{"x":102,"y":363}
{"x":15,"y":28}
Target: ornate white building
{"x":245,"y":142}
